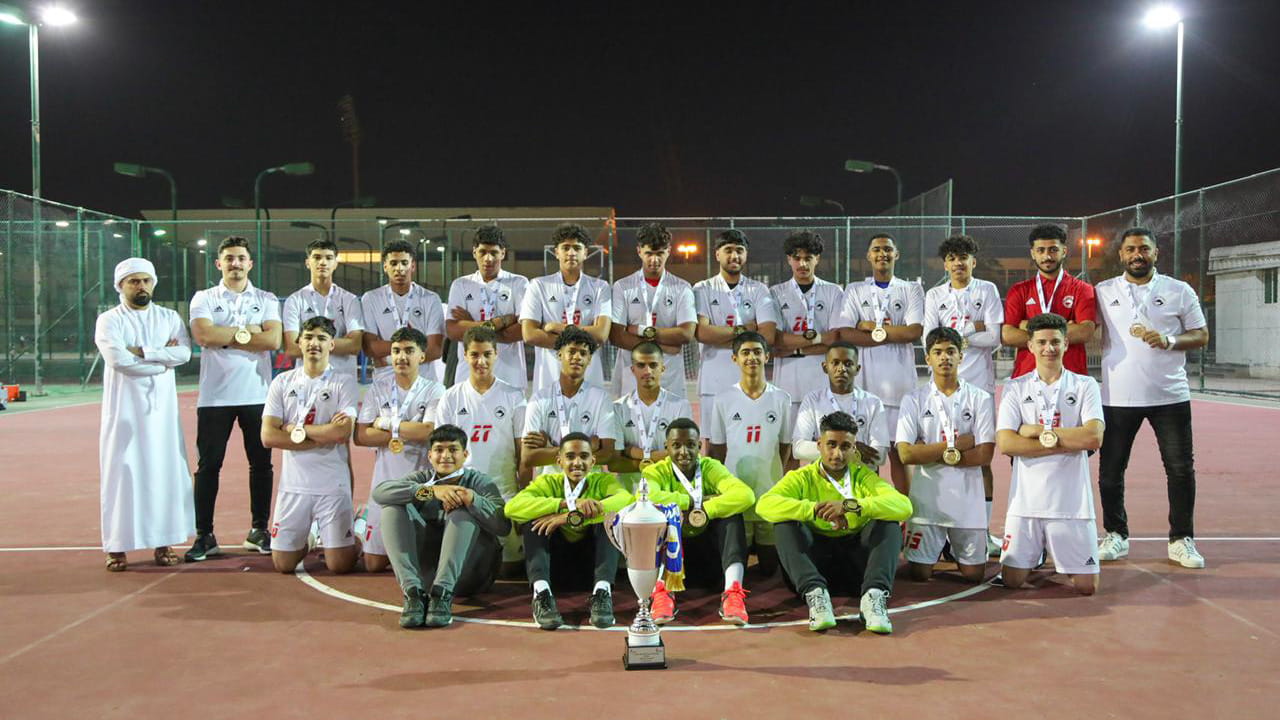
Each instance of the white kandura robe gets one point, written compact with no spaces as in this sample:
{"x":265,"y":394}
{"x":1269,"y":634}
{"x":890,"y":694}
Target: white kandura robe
{"x":146,"y":484}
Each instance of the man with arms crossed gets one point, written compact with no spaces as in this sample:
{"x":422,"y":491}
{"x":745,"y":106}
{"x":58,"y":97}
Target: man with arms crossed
{"x":808,"y":310}
{"x":568,"y":405}
{"x":322,"y":297}
{"x":842,"y":395}
{"x":1052,"y":290}
{"x":402,"y":303}
{"x":490,"y":297}
{"x":643,"y":416}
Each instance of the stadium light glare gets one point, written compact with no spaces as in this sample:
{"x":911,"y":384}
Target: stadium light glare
{"x":9,"y":18}
{"x":1162,"y":16}
{"x":57,"y":16}
{"x":201,"y":242}
{"x":62,"y":224}
{"x":159,"y":232}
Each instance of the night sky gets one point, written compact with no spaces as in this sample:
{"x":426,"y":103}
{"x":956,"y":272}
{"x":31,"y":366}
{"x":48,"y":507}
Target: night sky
{"x":1032,"y":107}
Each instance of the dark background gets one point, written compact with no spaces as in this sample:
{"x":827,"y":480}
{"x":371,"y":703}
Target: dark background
{"x":1032,"y":107}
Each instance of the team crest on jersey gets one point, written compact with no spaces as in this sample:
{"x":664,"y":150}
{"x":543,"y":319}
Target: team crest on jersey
{"x":499,"y":412}
{"x":966,"y":415}
{"x":861,"y":420}
{"x":504,"y":296}
{"x":324,"y":394}
{"x":586,"y":300}
{"x":1070,"y":399}
{"x":662,"y":426}
{"x":1158,"y":302}
{"x":586,"y":418}
{"x":897,"y":305}
{"x":422,"y":407}
{"x":417,"y":312}
{"x":669,"y":302}
{"x":746,"y":304}
{"x":977,"y":304}
{"x":1068,"y":301}
{"x":771,"y":417}
{"x":820,"y":306}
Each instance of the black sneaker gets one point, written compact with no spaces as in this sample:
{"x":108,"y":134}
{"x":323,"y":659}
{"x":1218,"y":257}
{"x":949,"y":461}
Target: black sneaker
{"x":204,"y":546}
{"x":439,"y":607}
{"x":259,"y":540}
{"x":545,"y":612}
{"x":414,"y":613}
{"x":601,"y":608}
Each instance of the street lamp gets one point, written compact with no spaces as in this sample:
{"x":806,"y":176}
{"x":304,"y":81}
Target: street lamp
{"x":364,"y":201}
{"x":297,"y":168}
{"x":1159,"y":18}
{"x":815,"y":201}
{"x":138,"y":171}
{"x":865,"y":166}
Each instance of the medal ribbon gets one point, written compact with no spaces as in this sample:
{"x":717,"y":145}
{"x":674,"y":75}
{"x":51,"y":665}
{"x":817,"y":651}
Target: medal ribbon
{"x":437,"y":479}
{"x":1047,"y":306}
{"x":316,"y":385}
{"x":1046,"y":407}
{"x":324,"y":311}
{"x":960,"y":301}
{"x":879,"y":302}
{"x":237,"y":315}
{"x":400,"y":317}
{"x":735,"y":299}
{"x":945,"y":407}
{"x":844,"y":487}
{"x":570,"y":306}
{"x":571,"y":492}
{"x":651,"y":302}
{"x":1140,"y":314}
{"x":647,"y":434}
{"x":562,"y":412}
{"x":693,"y":488}
{"x":488,"y":300}
{"x":810,"y":299}
{"x":835,"y":405}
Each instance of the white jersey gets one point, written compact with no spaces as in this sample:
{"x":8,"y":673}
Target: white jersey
{"x":752,"y":431}
{"x":589,"y":411}
{"x":1134,"y":374}
{"x":637,"y":420}
{"x":747,"y":302}
{"x":340,"y":306}
{"x":669,"y":305}
{"x":485,"y":301}
{"x":866,"y":409}
{"x":979,"y":301}
{"x":547,"y":300}
{"x":941,"y":494}
{"x":386,"y":312}
{"x":493,"y":422}
{"x":386,"y":398}
{"x":230,"y":376}
{"x":888,"y":369}
{"x":1054,"y":486}
{"x":296,"y":398}
{"x":800,"y":376}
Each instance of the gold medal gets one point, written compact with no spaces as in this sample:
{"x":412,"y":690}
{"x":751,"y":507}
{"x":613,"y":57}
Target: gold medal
{"x":395,"y":445}
{"x":649,"y":332}
{"x":739,"y":329}
{"x":243,"y":336}
{"x":299,"y":434}
{"x":697,"y":517}
{"x":426,"y":493}
{"x":1049,"y":438}
{"x":879,"y":334}
{"x":645,"y":463}
{"x":1137,"y":330}
{"x":951,"y":456}
{"x":810,"y":334}
{"x":851,"y":506}
{"x":576,"y":519}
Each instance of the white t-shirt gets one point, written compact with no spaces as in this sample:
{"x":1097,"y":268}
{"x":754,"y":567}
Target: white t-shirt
{"x":888,"y":369}
{"x":1133,"y":373}
{"x":340,"y":306}
{"x":979,"y":301}
{"x":590,"y":411}
{"x":752,"y":431}
{"x":386,"y":398}
{"x":866,"y":409}
{"x":1054,"y":486}
{"x":322,"y":470}
{"x":800,"y":376}
{"x":230,"y":376}
{"x":386,"y":312}
{"x":545,"y":301}
{"x":941,"y":494}
{"x":749,"y":301}
{"x":635,"y":302}
{"x":493,"y":421}
{"x":635,"y":418}
{"x":485,"y":301}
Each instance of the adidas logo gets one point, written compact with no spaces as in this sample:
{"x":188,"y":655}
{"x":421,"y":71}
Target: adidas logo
{"x":552,"y":299}
{"x":635,"y":301}
{"x":737,"y":416}
{"x":292,"y":394}
{"x":470,"y":297}
{"x":463,"y":411}
{"x":630,"y":423}
{"x":1089,"y":562}
{"x":786,"y":306}
{"x":1115,"y":303}
{"x":715,"y":302}
{"x":386,"y":311}
{"x":1031,"y":301}
{"x":928,"y":413}
{"x":1027,"y":399}
{"x":865,"y":304}
{"x":218,"y":309}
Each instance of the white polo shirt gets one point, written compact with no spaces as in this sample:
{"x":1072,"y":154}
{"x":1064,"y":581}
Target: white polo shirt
{"x":888,"y":369}
{"x":670,"y":304}
{"x":546,"y":300}
{"x":747,"y":302}
{"x":230,"y":376}
{"x":865,"y":408}
{"x":340,"y":306}
{"x":634,"y":418}
{"x":385,"y":398}
{"x":323,"y":470}
{"x":493,"y":420}
{"x":799,"y":376}
{"x":485,"y":301}
{"x":385,"y":312}
{"x":589,"y":411}
{"x":979,"y":301}
{"x":752,"y":430}
{"x":1054,"y":486}
{"x":941,"y":494}
{"x":1133,"y":373}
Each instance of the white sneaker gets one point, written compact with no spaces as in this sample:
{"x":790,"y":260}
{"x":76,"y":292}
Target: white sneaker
{"x":1183,"y":551}
{"x":820,"y":615}
{"x":1113,"y":547}
{"x":875,"y":611}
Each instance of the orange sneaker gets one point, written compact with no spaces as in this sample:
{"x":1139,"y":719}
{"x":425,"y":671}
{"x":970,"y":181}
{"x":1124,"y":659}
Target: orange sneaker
{"x":662,"y":604}
{"x":733,"y":607}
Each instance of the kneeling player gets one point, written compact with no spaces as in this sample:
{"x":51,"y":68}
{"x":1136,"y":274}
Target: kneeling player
{"x":560,"y":512}
{"x":308,"y":414}
{"x":1049,"y":421}
{"x":947,"y":428}
{"x":836,"y":522}
{"x":445,"y":524}
{"x":714,"y":501}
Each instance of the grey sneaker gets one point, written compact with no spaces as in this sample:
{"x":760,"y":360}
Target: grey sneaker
{"x":259,"y":540}
{"x":545,"y":612}
{"x":1113,"y":547}
{"x":1183,"y":551}
{"x":414,"y":613}
{"x":875,"y":611}
{"x":820,"y":615}
{"x":439,"y":607}
{"x":204,"y":546}
{"x":601,"y":608}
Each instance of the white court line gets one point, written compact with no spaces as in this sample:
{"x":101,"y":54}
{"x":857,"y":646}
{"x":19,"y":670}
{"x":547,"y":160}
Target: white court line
{"x":1231,"y":614}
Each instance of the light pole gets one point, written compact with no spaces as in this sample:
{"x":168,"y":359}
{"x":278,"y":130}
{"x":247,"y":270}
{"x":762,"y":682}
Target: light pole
{"x":815,"y":201}
{"x":1158,"y":18}
{"x":370,"y":261}
{"x":138,"y":171}
{"x":865,"y":166}
{"x":298,"y":168}
{"x":364,"y":201}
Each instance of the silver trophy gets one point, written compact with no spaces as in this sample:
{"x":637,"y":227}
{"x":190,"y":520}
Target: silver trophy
{"x":638,"y":532}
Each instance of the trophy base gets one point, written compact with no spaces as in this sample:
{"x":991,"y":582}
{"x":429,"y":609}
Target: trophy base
{"x":645,"y":657}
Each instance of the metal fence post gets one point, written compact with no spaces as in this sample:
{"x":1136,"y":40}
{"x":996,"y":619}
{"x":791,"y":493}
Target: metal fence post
{"x":1084,"y":248}
{"x":80,"y":262}
{"x":1204,"y":270}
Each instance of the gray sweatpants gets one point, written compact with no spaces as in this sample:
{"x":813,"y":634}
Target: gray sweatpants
{"x":455,"y":552}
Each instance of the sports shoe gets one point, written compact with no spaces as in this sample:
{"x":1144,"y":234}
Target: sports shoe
{"x":545,"y":612}
{"x":875,"y":611}
{"x":259,"y":540}
{"x":662,"y":605}
{"x":601,"y":608}
{"x":203,"y":547}
{"x":1183,"y":551}
{"x":993,"y":546}
{"x":820,"y":615}
{"x":733,"y":605}
{"x":1113,"y":547}
{"x":414,"y":612}
{"x":439,"y":607}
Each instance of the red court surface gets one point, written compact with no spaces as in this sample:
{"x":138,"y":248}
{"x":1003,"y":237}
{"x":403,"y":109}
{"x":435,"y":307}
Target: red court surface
{"x":228,"y":638}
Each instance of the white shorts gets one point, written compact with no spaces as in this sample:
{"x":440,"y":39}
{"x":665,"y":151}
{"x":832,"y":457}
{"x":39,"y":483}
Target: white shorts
{"x":371,"y":538}
{"x":295,"y":511}
{"x":1073,"y":544}
{"x":924,"y":544}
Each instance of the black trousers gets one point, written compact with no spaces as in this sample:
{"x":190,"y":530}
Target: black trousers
{"x":853,"y":563}
{"x":213,"y":430}
{"x":709,"y":553}
{"x":578,"y":564}
{"x":1172,"y":426}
